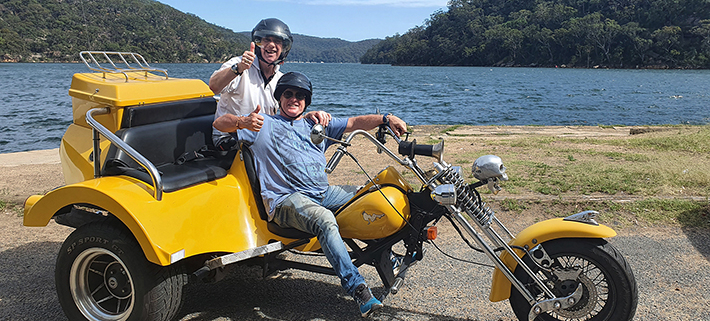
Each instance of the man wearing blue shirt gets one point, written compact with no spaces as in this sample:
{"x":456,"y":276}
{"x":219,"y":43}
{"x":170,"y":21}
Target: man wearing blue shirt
{"x":291,"y":168}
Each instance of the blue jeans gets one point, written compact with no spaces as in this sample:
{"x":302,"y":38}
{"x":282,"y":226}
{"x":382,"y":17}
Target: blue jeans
{"x":316,"y":216}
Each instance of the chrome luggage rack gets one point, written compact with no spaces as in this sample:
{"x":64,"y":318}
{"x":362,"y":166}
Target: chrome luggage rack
{"x":126,"y":58}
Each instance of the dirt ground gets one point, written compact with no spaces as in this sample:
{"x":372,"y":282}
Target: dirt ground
{"x":37,"y":172}
{"x":671,"y":263}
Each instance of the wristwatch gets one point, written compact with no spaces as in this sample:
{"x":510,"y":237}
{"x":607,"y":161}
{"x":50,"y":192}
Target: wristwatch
{"x":235,"y":69}
{"x":385,"y":120}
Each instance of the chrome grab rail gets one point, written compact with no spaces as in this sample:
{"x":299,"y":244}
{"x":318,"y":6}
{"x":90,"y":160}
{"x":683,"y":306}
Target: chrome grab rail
{"x":133,"y":57}
{"x":118,"y":142}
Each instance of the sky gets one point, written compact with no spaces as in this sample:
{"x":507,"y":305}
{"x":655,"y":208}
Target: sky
{"x":351,"y":20}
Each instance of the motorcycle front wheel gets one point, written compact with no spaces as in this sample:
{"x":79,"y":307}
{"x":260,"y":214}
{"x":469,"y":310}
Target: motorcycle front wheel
{"x":610,"y":291}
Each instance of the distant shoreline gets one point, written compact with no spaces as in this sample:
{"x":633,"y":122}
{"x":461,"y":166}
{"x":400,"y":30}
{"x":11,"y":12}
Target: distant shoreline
{"x":655,"y":67}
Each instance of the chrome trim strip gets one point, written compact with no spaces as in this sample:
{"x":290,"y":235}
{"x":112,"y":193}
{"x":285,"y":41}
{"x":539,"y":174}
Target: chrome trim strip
{"x":243,"y":255}
{"x":586,"y":217}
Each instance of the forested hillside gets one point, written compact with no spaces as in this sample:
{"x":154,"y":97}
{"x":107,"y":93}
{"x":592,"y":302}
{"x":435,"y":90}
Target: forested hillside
{"x":576,"y":33}
{"x":314,"y":49}
{"x":307,"y":48}
{"x":57,"y":30}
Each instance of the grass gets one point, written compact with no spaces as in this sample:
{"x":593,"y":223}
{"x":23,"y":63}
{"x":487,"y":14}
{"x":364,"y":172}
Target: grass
{"x":647,"y":212}
{"x":666,"y":169}
{"x":450,"y":129}
{"x":11,"y":207}
{"x":674,"y":162}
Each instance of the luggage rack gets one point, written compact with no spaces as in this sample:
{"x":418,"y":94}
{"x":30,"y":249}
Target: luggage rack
{"x":125,"y":58}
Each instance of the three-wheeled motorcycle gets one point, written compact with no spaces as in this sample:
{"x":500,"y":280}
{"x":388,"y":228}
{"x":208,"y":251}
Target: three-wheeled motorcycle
{"x":145,"y":191}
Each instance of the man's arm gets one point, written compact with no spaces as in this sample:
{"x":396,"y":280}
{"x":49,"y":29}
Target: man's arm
{"x":221,"y":79}
{"x":368,"y":122}
{"x":230,"y":123}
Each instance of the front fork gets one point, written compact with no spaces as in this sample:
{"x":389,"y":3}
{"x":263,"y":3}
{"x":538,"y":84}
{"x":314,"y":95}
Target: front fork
{"x":538,"y":307}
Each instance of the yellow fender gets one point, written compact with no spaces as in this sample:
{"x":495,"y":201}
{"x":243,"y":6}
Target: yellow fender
{"x":217,"y":216}
{"x":538,"y":233}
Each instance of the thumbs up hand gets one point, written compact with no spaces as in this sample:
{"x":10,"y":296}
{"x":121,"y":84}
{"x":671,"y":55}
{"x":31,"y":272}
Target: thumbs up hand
{"x":254,"y":121}
{"x":247,"y":59}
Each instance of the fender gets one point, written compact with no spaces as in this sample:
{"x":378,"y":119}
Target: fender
{"x":199,"y":219}
{"x":538,"y":233}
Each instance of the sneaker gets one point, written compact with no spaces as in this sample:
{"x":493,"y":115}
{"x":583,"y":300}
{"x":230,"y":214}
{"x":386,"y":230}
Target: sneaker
{"x":367,"y":302}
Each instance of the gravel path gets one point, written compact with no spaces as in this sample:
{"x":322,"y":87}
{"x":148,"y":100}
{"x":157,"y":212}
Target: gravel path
{"x":671,"y":266}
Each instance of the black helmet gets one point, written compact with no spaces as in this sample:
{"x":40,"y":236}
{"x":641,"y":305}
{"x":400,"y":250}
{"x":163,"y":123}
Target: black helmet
{"x":296,"y":80}
{"x":273,"y":27}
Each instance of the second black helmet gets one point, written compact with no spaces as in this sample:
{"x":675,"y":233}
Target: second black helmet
{"x":273,"y":27}
{"x":296,"y":80}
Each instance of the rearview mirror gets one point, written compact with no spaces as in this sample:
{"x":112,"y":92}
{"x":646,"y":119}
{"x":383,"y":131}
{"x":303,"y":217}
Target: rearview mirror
{"x":317,"y":135}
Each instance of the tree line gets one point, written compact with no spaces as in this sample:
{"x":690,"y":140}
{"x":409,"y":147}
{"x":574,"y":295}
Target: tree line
{"x":56,"y":31}
{"x":574,"y":33}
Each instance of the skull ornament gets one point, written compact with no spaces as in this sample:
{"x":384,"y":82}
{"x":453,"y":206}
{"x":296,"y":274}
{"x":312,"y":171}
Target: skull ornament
{"x":489,"y":166}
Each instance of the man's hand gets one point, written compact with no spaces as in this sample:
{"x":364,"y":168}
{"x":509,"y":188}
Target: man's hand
{"x":398,"y":126}
{"x":319,"y":117}
{"x":247,"y":59}
{"x":252,"y":122}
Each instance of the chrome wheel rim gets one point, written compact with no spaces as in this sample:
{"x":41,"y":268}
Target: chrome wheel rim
{"x":101,"y":285}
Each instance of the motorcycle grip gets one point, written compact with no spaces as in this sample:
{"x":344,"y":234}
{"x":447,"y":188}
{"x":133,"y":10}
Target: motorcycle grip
{"x":330,"y":167}
{"x":411,"y":148}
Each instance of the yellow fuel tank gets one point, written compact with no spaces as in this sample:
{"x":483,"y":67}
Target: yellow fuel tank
{"x":369,"y":216}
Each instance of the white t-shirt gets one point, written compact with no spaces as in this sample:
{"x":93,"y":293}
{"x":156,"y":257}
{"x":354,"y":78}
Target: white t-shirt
{"x":245,"y":92}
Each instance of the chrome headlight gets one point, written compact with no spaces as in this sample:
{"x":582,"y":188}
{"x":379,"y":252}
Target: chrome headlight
{"x":444,"y":194}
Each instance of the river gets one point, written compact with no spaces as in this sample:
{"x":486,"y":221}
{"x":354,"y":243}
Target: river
{"x":35,"y":108}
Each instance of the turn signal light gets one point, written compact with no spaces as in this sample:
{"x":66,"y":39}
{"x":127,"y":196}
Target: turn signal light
{"x":431,"y":233}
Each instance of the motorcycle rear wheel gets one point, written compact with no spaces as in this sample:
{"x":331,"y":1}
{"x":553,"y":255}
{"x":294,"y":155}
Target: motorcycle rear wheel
{"x":102,"y":274}
{"x":610,"y":292}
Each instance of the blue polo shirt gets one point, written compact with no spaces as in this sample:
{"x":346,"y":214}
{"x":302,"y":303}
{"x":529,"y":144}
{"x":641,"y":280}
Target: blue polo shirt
{"x":286,"y":159}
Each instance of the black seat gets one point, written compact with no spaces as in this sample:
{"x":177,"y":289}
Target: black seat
{"x":183,"y":128}
{"x":291,"y":233}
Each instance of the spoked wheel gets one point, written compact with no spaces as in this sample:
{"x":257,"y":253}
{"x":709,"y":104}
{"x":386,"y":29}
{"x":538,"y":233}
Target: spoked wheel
{"x":102,"y":274}
{"x":609,"y":287}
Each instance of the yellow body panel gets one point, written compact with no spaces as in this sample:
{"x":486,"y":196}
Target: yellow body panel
{"x":538,"y":233}
{"x":75,"y":150}
{"x":218,"y":216}
{"x":370,"y":216}
{"x":141,"y":88}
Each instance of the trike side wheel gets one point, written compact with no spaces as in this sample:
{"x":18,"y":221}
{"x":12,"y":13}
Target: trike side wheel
{"x":102,"y":274}
{"x":609,"y":287}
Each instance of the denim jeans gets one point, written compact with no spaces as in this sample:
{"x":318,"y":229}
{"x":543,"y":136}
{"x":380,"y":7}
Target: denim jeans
{"x":316,"y":216}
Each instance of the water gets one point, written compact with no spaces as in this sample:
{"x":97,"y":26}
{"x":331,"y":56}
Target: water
{"x":35,"y":108}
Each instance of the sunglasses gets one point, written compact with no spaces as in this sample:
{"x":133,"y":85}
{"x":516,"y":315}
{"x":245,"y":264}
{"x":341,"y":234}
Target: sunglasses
{"x":299,"y":95}
{"x":266,"y":40}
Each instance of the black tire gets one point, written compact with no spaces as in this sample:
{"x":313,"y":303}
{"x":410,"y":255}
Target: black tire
{"x":102,"y":274}
{"x":610,"y":292}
